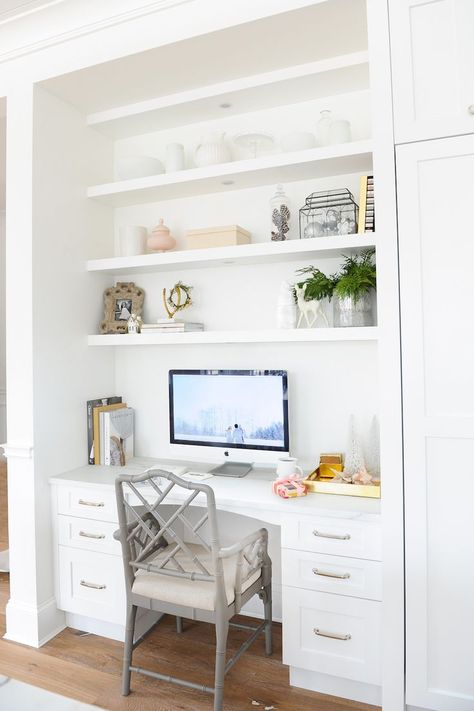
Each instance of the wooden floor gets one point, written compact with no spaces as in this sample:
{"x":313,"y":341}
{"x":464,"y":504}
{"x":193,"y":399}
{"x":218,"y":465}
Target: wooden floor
{"x":88,"y":668}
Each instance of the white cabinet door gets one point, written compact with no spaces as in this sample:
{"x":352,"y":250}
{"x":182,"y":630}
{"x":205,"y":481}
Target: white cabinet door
{"x":432,"y":45}
{"x":436,"y":242}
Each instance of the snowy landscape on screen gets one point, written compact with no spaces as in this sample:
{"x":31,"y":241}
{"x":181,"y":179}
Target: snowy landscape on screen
{"x":229,"y":409}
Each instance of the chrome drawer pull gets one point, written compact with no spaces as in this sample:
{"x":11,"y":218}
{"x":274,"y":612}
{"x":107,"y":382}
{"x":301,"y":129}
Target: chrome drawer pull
{"x":95,"y":586}
{"x":471,"y":109}
{"x":91,"y":503}
{"x":327,"y":574}
{"x":97,"y":536}
{"x":332,"y":635}
{"x":342,"y":537}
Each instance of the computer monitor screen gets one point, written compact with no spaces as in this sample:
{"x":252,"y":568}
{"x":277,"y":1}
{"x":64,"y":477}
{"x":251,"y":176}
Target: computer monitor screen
{"x":235,"y":409}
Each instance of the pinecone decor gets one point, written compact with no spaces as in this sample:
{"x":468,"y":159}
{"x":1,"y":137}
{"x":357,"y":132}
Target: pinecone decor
{"x":280,"y":218}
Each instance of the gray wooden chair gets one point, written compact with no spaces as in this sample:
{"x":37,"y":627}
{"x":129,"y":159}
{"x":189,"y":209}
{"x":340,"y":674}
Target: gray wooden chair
{"x":197,"y":580}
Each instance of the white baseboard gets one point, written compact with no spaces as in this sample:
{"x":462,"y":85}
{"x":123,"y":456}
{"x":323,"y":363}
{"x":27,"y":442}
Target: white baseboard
{"x":33,"y":625}
{"x":336,"y":686}
{"x":145,"y":620}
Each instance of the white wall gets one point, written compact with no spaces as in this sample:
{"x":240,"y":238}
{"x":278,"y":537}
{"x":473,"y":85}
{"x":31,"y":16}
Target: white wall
{"x":51,"y":300}
{"x":326,"y":383}
{"x":67,"y":300}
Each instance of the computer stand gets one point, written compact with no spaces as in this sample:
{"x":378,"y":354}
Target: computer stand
{"x":233,"y":469}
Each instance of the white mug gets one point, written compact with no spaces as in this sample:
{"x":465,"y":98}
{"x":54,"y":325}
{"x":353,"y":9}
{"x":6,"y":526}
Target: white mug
{"x":286,"y":466}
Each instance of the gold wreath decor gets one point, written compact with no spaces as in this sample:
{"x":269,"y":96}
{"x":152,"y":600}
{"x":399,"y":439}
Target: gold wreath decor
{"x":179,"y":298}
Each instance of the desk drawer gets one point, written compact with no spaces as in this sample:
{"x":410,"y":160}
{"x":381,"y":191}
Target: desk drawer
{"x":332,"y":574}
{"x":88,"y":534}
{"x":87,"y":502}
{"x":92,"y":584}
{"x":342,"y":537}
{"x":332,"y":634}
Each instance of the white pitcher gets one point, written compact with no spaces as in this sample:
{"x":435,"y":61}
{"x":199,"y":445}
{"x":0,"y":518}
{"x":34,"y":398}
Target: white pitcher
{"x":212,"y":150}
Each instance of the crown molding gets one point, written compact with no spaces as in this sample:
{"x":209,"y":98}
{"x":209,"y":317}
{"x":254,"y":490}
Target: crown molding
{"x":26,"y":8}
{"x":43,"y":10}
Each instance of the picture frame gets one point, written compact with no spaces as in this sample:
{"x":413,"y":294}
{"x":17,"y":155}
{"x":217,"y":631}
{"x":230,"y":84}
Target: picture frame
{"x":120,"y":302}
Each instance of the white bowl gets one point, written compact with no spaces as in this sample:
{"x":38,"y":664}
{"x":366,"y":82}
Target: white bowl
{"x":297,"y":141}
{"x":129,"y":167}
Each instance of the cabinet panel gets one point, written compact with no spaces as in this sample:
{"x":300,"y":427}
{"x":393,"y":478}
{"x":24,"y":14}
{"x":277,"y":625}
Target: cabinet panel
{"x":332,"y":634}
{"x":92,"y":584}
{"x":88,"y":534}
{"x":435,"y":192}
{"x":433,"y":67}
{"x":87,"y":502}
{"x":333,"y":574}
{"x":333,"y":536}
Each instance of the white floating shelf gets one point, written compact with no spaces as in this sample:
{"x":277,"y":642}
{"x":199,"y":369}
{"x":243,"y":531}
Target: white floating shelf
{"x":290,"y":85}
{"x":254,"y":336}
{"x":355,"y":157}
{"x":257,"y":253}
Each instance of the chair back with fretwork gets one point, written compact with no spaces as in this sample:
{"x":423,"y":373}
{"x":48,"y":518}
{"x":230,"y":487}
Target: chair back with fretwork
{"x":148,"y":525}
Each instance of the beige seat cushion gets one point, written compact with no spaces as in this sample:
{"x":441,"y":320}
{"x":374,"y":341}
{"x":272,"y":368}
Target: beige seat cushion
{"x":191,"y":593}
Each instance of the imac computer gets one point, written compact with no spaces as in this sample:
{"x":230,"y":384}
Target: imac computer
{"x":236,"y":417}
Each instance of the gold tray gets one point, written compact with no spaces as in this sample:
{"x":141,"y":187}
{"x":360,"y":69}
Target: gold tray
{"x":327,"y":486}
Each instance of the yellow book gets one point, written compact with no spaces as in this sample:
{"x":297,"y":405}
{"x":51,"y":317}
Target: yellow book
{"x":96,"y":424}
{"x":362,"y":203}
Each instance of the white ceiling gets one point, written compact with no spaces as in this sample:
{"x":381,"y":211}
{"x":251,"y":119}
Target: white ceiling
{"x":308,"y":34}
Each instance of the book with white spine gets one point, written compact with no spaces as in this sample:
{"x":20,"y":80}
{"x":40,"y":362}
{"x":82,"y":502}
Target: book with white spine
{"x":118,"y":436}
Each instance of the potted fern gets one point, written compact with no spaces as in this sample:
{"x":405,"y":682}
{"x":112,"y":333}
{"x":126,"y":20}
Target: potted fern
{"x":352,"y":288}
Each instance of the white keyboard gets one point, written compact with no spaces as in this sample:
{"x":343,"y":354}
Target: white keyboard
{"x":195,"y":476}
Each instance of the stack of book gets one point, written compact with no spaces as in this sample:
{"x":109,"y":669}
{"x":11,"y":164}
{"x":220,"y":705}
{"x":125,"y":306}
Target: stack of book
{"x":366,"y":204}
{"x":109,"y":431}
{"x":171,"y":326}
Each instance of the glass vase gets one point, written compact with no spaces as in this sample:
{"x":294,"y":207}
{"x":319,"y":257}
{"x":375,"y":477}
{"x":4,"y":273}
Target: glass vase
{"x":280,"y":210}
{"x":351,"y":312}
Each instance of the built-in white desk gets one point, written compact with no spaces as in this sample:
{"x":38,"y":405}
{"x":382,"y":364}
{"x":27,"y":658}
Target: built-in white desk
{"x":331,"y":576}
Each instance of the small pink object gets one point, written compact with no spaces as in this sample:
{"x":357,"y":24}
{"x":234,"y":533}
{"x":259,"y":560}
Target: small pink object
{"x":289,"y":487}
{"x":160,"y":239}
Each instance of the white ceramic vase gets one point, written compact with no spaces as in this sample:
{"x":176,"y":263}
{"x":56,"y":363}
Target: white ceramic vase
{"x":212,"y":150}
{"x":132,"y":240}
{"x":340,"y":131}
{"x":174,"y":157}
{"x":286,"y":307}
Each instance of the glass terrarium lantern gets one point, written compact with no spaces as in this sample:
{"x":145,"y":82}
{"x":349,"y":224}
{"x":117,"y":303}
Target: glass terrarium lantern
{"x":331,"y":212}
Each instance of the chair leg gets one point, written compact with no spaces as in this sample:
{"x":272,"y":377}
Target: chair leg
{"x":222,"y":628}
{"x":128,"y":649}
{"x":267,"y":607}
{"x":179,"y":625}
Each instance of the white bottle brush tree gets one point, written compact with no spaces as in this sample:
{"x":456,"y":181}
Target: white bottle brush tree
{"x":354,"y":468}
{"x":373,"y":451}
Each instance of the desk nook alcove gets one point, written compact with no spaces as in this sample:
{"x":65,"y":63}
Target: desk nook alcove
{"x":101,"y":138}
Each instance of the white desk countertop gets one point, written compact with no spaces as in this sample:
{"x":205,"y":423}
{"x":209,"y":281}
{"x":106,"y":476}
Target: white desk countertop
{"x":251,"y":493}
